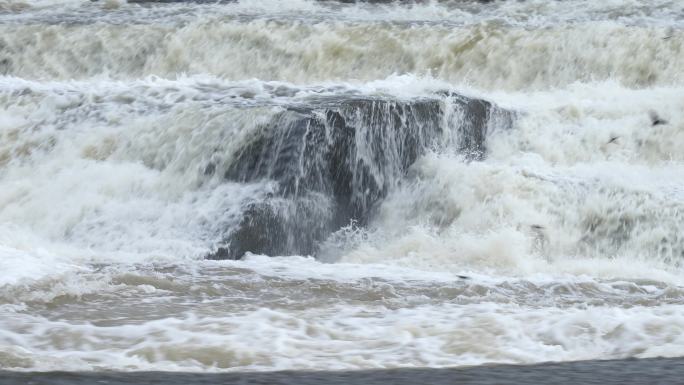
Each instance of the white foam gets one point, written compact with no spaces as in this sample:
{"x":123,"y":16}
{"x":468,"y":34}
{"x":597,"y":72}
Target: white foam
{"x":112,"y":114}
{"x":484,"y":55}
{"x":132,"y":142}
{"x":18,"y":266}
{"x":529,"y":13}
{"x":343,"y":338}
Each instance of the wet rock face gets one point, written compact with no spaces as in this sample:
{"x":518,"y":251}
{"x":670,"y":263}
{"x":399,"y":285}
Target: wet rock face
{"x":335,"y":162}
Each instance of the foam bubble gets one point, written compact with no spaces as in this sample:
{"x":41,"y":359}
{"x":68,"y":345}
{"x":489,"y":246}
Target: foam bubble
{"x":119,"y":121}
{"x":484,"y":55}
{"x":358,"y":337}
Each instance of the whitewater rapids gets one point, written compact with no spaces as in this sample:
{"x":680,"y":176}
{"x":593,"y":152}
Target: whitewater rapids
{"x":565,"y":242}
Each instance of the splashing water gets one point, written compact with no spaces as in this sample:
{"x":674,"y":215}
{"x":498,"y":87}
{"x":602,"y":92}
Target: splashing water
{"x":436,"y":184}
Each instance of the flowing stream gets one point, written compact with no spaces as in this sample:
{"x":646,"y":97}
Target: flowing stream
{"x":280,"y":185}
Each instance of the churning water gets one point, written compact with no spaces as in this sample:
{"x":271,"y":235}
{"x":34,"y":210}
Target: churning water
{"x":260,"y":185}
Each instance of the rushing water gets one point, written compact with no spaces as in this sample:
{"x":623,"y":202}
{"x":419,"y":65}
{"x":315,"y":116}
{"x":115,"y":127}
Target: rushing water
{"x":508,"y":187}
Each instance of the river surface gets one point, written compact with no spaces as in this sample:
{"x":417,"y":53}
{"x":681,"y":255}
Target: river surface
{"x":120,"y":123}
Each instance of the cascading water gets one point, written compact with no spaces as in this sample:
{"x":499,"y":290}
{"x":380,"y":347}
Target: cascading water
{"x":260,"y":185}
{"x":335,"y":162}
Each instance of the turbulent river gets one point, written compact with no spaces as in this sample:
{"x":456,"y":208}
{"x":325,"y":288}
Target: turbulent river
{"x":266,"y":185}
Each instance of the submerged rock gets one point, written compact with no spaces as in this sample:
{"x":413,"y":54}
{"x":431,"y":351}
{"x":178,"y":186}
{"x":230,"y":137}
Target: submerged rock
{"x":336,"y":160}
